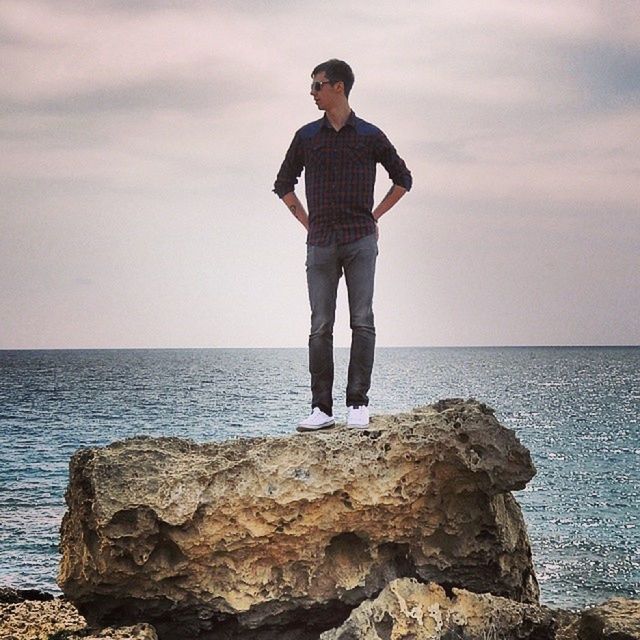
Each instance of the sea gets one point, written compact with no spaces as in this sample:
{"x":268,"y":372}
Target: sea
{"x":577,"y":409}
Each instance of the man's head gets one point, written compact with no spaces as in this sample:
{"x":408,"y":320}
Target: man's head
{"x":337,"y":72}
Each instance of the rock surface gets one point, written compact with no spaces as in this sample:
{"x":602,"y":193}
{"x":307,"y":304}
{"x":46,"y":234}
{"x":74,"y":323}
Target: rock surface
{"x":410,"y":609}
{"x":293,"y":532}
{"x":38,"y":619}
{"x":141,"y":631}
{"x":616,"y":619}
{"x":56,"y":619}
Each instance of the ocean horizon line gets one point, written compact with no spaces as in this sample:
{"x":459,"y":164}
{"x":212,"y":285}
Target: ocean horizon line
{"x":337,"y":347}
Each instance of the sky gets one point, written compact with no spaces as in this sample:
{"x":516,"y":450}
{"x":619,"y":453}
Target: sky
{"x":140,"y":142}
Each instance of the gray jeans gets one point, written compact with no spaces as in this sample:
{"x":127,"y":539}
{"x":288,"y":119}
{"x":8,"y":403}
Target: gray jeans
{"x":325,"y":266}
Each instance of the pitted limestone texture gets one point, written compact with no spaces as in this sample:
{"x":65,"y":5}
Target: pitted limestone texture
{"x":409,"y":609}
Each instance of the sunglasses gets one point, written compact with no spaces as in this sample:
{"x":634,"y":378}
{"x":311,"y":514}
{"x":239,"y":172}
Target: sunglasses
{"x":317,"y":86}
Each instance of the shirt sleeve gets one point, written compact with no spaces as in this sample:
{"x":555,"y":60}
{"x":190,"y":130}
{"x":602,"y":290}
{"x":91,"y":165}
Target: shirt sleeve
{"x":291,"y":168}
{"x":388,"y":157}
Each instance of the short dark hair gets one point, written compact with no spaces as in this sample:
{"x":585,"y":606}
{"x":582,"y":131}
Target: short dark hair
{"x":336,"y":71}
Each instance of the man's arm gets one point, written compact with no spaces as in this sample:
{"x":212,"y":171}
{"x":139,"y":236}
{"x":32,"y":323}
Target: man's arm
{"x":398,"y":172}
{"x":287,"y":179}
{"x":393,"y":195}
{"x":297,"y":208}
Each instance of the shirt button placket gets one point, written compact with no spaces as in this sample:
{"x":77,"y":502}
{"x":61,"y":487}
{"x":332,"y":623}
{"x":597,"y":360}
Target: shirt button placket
{"x":334,"y":185}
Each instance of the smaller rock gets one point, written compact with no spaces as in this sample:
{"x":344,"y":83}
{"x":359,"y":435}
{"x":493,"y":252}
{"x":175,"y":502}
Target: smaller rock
{"x":407,"y":608}
{"x":38,"y":620}
{"x":138,"y":632}
{"x":8,"y":595}
{"x":616,"y":619}
{"x":56,"y":619}
{"x":567,"y":624}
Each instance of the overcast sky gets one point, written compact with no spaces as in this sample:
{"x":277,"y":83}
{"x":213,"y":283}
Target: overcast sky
{"x":140,"y":142}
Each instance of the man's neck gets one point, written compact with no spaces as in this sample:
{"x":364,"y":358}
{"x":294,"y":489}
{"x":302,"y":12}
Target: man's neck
{"x":338,"y":115}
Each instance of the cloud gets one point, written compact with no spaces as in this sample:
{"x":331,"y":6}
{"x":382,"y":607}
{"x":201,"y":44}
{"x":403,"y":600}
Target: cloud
{"x":589,"y":160}
{"x":57,"y":50}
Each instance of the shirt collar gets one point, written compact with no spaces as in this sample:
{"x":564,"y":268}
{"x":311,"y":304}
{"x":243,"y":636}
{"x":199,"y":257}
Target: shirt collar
{"x":351,"y":120}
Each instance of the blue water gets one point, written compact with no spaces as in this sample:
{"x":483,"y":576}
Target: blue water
{"x":577,"y":409}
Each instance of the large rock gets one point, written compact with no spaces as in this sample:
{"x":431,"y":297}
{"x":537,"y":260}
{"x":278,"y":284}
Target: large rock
{"x":409,"y":609}
{"x":294,"y":532}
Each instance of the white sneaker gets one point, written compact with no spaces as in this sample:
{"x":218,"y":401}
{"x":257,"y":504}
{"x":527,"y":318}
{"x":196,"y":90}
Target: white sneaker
{"x":358,"y":417}
{"x":317,"y":420}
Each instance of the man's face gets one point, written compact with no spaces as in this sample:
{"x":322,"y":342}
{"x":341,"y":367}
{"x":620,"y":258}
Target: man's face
{"x":326,"y":96}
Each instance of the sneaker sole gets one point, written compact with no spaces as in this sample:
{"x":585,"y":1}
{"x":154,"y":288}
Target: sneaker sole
{"x":327,"y":425}
{"x":359,"y":426}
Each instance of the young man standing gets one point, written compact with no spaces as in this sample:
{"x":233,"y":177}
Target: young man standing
{"x":339,"y":154}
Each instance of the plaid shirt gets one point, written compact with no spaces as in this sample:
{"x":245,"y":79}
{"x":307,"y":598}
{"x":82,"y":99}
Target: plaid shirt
{"x":340,"y":172}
